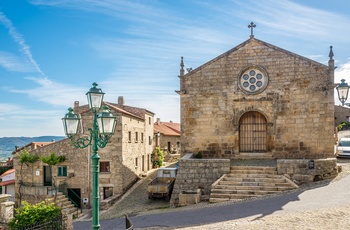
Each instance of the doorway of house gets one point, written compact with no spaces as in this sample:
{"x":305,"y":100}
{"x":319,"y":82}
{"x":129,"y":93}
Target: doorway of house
{"x":252,"y":132}
{"x":74,"y":195}
{"x":47,"y":176}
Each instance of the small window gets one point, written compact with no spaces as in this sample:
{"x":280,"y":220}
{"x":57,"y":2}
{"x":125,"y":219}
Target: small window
{"x":62,"y":171}
{"x":149,"y":120}
{"x":136,"y":136}
{"x":141,"y":137}
{"x":136,"y":161}
{"x":129,"y":136}
{"x":149,"y":140}
{"x":104,"y":166}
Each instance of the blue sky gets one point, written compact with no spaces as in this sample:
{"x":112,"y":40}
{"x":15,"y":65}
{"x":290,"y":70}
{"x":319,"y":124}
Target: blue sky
{"x":51,"y":51}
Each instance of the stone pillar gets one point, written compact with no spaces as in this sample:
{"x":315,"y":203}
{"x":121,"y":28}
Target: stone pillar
{"x":67,"y":220}
{"x":6,"y":211}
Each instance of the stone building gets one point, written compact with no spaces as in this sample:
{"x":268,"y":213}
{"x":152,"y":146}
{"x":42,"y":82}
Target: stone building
{"x":122,"y":161}
{"x":341,"y":114}
{"x":167,"y":136}
{"x":260,"y":101}
{"x":8,"y":183}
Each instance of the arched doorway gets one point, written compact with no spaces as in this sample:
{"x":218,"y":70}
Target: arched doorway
{"x":252,"y":132}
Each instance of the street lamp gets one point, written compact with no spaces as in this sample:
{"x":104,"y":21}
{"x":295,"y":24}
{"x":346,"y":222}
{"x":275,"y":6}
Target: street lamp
{"x":343,"y":90}
{"x":103,"y":128}
{"x":158,"y":139}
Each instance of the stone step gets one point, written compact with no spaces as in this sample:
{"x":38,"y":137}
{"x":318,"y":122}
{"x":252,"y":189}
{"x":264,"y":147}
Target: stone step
{"x":246,"y":182}
{"x":266,"y":188}
{"x":253,"y":179}
{"x":240,"y":196}
{"x":252,"y":170}
{"x":248,"y":190}
{"x":241,"y":175}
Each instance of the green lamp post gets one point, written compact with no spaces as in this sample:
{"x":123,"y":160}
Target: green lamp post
{"x":343,"y":91}
{"x":103,"y":128}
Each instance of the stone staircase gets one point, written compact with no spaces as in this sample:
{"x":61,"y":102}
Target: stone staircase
{"x":245,"y":182}
{"x":67,"y":206}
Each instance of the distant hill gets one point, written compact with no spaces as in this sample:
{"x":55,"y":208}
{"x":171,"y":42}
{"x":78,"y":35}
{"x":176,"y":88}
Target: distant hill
{"x":7,"y":144}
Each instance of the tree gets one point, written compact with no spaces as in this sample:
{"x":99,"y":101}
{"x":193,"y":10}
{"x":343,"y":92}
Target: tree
{"x":157,"y":157}
{"x":53,"y":160}
{"x":25,"y":158}
{"x":29,"y":214}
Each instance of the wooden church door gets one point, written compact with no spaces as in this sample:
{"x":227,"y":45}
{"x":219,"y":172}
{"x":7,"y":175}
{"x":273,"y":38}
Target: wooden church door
{"x":252,"y":132}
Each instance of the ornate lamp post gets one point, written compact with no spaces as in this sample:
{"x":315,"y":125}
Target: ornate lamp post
{"x":343,"y":91}
{"x":103,"y":128}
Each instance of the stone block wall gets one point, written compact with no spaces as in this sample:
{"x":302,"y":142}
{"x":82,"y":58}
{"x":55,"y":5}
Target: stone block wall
{"x":299,"y":170}
{"x":196,"y":174}
{"x":298,"y":103}
{"x":341,"y":114}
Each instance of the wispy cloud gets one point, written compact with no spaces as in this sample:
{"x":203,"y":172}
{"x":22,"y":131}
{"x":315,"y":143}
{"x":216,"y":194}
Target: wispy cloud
{"x":52,"y":92}
{"x":13,"y":63}
{"x":18,"y":38}
{"x":17,"y":120}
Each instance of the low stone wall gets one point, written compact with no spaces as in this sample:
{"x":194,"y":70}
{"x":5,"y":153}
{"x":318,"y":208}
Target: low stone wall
{"x":308,"y":170}
{"x":195,"y":174}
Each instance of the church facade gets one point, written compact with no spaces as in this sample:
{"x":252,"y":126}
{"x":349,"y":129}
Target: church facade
{"x":258,"y":101}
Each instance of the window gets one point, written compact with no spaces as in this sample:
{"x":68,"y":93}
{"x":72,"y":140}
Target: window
{"x":347,"y":118}
{"x":136,"y":162}
{"x":149,"y":140}
{"x":149,"y":120}
{"x":129,"y":136}
{"x":62,"y":171}
{"x":104,"y":166}
{"x":141,"y":137}
{"x":136,"y":136}
{"x":253,"y":80}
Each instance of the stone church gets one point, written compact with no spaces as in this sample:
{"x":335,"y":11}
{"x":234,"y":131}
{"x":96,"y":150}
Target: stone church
{"x":260,"y":101}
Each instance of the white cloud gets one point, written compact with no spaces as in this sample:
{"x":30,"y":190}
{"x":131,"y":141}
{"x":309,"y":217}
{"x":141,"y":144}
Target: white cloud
{"x":52,"y":92}
{"x":17,"y":120}
{"x":18,"y":38}
{"x":13,"y":63}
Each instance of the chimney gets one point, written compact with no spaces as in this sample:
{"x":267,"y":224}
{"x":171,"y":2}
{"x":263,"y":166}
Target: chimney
{"x":121,"y":100}
{"x":171,"y":121}
{"x":76,"y":104}
{"x":53,"y":140}
{"x":158,"y":121}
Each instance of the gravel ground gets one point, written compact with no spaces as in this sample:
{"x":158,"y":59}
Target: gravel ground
{"x":136,"y":202}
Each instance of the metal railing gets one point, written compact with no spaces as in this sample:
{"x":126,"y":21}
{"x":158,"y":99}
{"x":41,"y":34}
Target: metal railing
{"x":63,"y":187}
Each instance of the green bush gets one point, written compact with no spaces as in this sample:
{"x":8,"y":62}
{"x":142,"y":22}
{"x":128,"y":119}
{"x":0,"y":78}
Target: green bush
{"x":199,"y":155}
{"x":157,"y":158}
{"x":29,"y":214}
{"x":344,"y":125}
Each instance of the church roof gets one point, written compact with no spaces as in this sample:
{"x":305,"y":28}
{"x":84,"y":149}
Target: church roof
{"x":252,"y":39}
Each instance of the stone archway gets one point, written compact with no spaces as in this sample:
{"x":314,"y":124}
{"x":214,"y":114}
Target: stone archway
{"x":252,"y":132}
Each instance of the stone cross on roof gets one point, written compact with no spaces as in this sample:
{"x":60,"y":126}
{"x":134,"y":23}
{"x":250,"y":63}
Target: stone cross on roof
{"x":251,"y":26}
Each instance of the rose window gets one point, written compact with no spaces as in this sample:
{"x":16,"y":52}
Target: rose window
{"x":253,"y":80}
